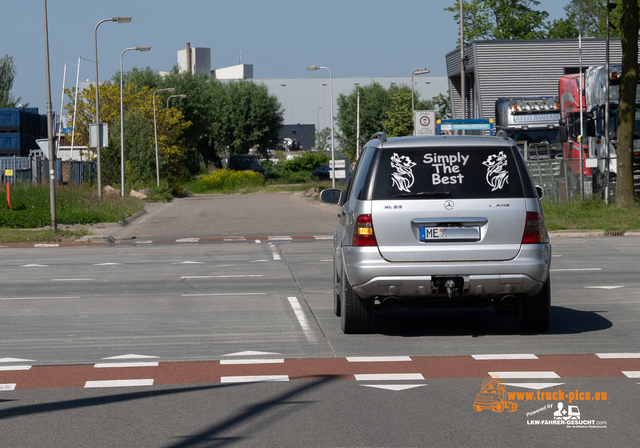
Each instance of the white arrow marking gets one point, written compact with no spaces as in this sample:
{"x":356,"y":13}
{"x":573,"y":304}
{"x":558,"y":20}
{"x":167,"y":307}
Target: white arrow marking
{"x":250,"y":361}
{"x":396,"y":387}
{"x":523,"y":375}
{"x":119,"y":383}
{"x":388,"y":376}
{"x":16,"y":360}
{"x":251,"y":353}
{"x":131,"y":356}
{"x":505,"y":356}
{"x":617,"y":355}
{"x":11,"y":368}
{"x":536,"y":386}
{"x":377,"y":358}
{"x":631,"y":373}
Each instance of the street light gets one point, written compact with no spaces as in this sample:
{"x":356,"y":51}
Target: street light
{"x":333,"y":157}
{"x":175,"y":96}
{"x":155,"y":128}
{"x":95,"y":48}
{"x":418,"y":71}
{"x":122,"y":117}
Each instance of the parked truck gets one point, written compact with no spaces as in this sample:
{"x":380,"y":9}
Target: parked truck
{"x":532,"y":122}
{"x":595,"y":96}
{"x":575,"y":151}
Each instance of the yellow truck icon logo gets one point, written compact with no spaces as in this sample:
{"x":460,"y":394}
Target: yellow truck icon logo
{"x":493,"y":395}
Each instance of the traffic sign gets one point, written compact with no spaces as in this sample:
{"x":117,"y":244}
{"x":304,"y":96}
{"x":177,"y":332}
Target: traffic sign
{"x":424,"y":122}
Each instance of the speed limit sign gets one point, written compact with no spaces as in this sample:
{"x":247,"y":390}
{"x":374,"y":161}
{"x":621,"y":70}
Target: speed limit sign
{"x":424,"y":122}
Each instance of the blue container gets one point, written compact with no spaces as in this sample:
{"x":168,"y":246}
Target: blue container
{"x":10,"y":118}
{"x":10,"y":141}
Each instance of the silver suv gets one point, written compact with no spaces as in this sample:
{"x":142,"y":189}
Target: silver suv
{"x":440,"y":222}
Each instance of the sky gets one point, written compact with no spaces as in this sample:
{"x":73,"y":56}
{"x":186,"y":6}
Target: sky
{"x":280,"y":38}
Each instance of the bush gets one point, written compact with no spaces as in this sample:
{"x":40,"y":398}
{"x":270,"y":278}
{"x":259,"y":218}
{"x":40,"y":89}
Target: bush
{"x":225,"y":181}
{"x":296,"y":170}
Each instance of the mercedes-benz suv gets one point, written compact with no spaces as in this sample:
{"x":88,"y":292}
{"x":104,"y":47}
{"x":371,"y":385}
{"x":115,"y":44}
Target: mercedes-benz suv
{"x":440,"y":222}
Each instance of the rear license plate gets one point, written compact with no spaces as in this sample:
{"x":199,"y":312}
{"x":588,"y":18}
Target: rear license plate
{"x":449,"y":233}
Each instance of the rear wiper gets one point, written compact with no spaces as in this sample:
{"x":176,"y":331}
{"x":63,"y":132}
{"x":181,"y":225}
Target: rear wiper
{"x":433,"y":194}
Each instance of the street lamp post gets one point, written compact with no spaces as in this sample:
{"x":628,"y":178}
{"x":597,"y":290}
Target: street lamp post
{"x":175,"y":96}
{"x":333,"y":157}
{"x":122,"y":117}
{"x":98,"y":142}
{"x":155,"y":129}
{"x":318,"y":118}
{"x":52,"y":149}
{"x":418,"y":71}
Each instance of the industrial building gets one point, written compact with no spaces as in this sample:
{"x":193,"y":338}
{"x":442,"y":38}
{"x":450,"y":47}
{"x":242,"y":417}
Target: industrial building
{"x":516,"y":68}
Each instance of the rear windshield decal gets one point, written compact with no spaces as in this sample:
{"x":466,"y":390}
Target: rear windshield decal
{"x":402,"y":177}
{"x":497,"y":176}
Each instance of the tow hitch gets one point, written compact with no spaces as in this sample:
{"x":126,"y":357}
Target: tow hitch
{"x":449,"y":285}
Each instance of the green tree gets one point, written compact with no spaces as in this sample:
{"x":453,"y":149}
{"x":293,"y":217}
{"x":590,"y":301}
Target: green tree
{"x":594,"y":20}
{"x":628,"y":84}
{"x":501,"y":19}
{"x":399,"y":122}
{"x":7,"y":76}
{"x":374,"y":102}
{"x":323,"y":140}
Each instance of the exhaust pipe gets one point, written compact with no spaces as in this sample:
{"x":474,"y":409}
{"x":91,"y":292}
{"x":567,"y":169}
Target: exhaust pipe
{"x":509,"y":301}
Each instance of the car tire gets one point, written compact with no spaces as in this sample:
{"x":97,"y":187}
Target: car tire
{"x":337,"y":306}
{"x":356,"y":313}
{"x":533,"y":311}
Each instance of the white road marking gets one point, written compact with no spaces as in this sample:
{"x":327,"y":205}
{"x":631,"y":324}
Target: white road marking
{"x":378,"y":358}
{"x":279,"y":238}
{"x":126,"y":364}
{"x":73,"y":279}
{"x":258,"y":241}
{"x":258,"y":261}
{"x":603,"y":287}
{"x":251,"y":361}
{"x":523,"y":375}
{"x":326,"y":260}
{"x":35,"y":265}
{"x":324,"y":237}
{"x":388,"y":376}
{"x":221,"y":276}
{"x":46,"y":245}
{"x":188,"y":240}
{"x":190,"y":262}
{"x":108,"y":264}
{"x":226,"y":294}
{"x":234,"y":239}
{"x":617,"y":355}
{"x":10,"y":386}
{"x":12,"y":368}
{"x":38,"y":298}
{"x":253,"y":379}
{"x":631,"y":373}
{"x":394,"y":387}
{"x":144,"y":242}
{"x":297,"y":309}
{"x":553,"y":256}
{"x":536,"y":386}
{"x":276,"y":257}
{"x":118,"y":383}
{"x":16,"y":360}
{"x":576,"y":269}
{"x":505,"y":356}
{"x":131,"y":356}
{"x":250,"y":353}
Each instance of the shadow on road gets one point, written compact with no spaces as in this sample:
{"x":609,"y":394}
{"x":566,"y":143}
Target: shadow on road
{"x":483,"y":322}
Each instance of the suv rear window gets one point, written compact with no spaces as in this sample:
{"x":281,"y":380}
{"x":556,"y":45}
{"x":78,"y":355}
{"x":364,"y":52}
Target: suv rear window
{"x":448,"y":172}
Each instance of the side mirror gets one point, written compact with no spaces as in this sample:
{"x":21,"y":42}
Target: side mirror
{"x":591,"y":128}
{"x":562,"y":133}
{"x":540,"y":192}
{"x":331,"y":196}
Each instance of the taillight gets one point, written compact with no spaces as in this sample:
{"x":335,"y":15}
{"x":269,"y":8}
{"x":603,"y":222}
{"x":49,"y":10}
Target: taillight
{"x":533,"y":229}
{"x":363,"y":232}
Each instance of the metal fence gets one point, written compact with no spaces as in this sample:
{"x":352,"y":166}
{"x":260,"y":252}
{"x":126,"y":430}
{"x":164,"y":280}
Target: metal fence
{"x":36,"y":170}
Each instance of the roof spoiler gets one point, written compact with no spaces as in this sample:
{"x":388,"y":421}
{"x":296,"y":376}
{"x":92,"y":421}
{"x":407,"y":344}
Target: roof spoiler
{"x":379,"y":136}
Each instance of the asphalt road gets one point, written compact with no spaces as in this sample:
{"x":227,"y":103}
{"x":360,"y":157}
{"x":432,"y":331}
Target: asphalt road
{"x":219,"y":341}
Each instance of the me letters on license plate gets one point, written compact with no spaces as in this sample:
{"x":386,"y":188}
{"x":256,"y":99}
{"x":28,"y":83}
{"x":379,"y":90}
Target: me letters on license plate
{"x":449,"y":233}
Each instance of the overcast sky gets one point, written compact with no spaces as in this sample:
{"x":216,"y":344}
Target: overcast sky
{"x":279,"y":37}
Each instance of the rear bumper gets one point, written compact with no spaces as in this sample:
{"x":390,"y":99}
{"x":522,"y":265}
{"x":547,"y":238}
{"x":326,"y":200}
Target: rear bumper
{"x":371,"y":275}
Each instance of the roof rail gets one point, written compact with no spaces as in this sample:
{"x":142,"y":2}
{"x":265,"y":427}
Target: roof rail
{"x":502,"y":133}
{"x":379,"y":136}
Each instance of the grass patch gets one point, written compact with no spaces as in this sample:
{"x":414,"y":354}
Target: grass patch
{"x":590,"y":214}
{"x":226,"y":182}
{"x":30,"y":206}
{"x":40,"y":236}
